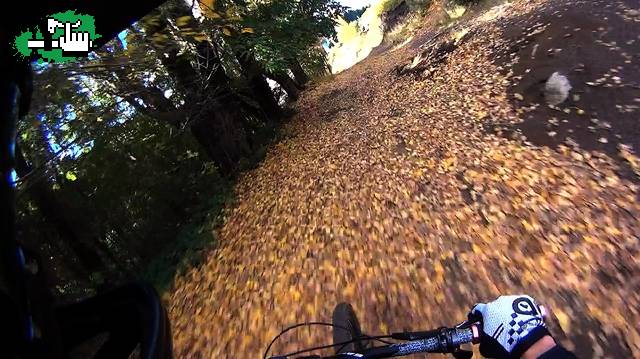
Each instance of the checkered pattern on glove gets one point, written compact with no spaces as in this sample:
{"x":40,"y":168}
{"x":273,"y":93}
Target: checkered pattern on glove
{"x":511,"y":324}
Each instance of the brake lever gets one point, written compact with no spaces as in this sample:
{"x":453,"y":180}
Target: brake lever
{"x":472,"y":319}
{"x":462,"y":354}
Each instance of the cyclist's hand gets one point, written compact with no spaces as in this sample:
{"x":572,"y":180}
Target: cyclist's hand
{"x":510,"y":325}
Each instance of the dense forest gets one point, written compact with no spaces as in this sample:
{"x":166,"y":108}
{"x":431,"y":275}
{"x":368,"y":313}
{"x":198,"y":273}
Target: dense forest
{"x":128,"y":156}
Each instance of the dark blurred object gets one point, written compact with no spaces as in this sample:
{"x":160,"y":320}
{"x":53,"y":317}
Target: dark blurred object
{"x":31,"y":327}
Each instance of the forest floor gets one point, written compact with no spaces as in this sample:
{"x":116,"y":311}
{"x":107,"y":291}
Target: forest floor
{"x":415,"y":196}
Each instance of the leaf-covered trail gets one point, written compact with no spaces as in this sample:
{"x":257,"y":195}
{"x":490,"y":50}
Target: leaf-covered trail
{"x":391,"y":194}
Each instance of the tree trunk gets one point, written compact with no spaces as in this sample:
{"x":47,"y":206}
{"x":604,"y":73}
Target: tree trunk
{"x":223,"y":138}
{"x":298,"y":72}
{"x":60,"y":217}
{"x":214,"y":114}
{"x":259,"y":86}
{"x":209,"y":65}
{"x":178,"y":65}
{"x":287,"y":84}
{"x":157,"y":106}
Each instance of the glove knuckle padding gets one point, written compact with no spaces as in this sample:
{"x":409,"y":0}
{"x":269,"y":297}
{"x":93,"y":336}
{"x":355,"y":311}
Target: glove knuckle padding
{"x":506,"y":322}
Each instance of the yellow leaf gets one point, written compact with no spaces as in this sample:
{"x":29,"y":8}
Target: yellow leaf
{"x":310,"y":309}
{"x":183,"y":20}
{"x":226,"y":31}
{"x":200,"y":37}
{"x":349,"y":290}
{"x":448,"y":163}
{"x":528,"y":227}
{"x":295,"y":294}
{"x":207,"y":4}
{"x":576,"y":156}
{"x":612,"y":231}
{"x":212,"y":14}
{"x":383,"y":327}
{"x":563,"y":319}
{"x":475,"y":248}
{"x":438,"y":268}
{"x":247,"y":30}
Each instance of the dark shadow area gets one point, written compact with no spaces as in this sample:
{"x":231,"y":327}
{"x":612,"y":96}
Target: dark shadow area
{"x":342,"y":101}
{"x":596,"y":45}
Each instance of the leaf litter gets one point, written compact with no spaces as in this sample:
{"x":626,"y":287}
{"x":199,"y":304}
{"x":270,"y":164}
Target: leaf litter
{"x":414,"y":215}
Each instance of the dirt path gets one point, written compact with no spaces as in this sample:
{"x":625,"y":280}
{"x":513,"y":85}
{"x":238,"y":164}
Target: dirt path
{"x":413,"y":197}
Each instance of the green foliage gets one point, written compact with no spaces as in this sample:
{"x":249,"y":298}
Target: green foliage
{"x":138,"y":181}
{"x":286,"y":29}
{"x":353,"y":14}
{"x":419,"y":5}
{"x":314,"y":62}
{"x":387,"y":5}
{"x":192,"y":242}
{"x":111,"y":146}
{"x":383,"y":6}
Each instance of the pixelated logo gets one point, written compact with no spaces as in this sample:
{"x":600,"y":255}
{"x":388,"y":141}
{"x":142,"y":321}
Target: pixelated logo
{"x":61,"y":37}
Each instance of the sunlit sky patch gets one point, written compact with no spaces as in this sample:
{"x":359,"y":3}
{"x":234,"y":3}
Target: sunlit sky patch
{"x":122,"y":36}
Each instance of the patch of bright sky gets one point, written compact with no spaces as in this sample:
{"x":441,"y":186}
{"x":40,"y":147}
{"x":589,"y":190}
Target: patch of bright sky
{"x":148,"y":79}
{"x":122,"y":36}
{"x":54,"y":147}
{"x":354,"y":4}
{"x":13,"y":176}
{"x":72,"y":151}
{"x":75,"y":150}
{"x":195,"y":8}
{"x":38,"y":67}
{"x":127,"y":111}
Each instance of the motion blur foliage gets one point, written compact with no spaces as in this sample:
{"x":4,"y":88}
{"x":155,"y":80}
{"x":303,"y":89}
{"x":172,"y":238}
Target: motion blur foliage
{"x":128,"y":157}
{"x":106,"y":188}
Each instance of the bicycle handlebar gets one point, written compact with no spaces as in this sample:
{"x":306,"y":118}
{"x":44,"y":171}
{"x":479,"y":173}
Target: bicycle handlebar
{"x":448,"y":340}
{"x":443,"y":340}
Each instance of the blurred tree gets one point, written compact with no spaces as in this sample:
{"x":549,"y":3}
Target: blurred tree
{"x":283,"y":34}
{"x":125,"y":153}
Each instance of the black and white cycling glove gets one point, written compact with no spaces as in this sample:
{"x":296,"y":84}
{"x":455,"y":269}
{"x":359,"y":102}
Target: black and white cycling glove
{"x":511,"y":324}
